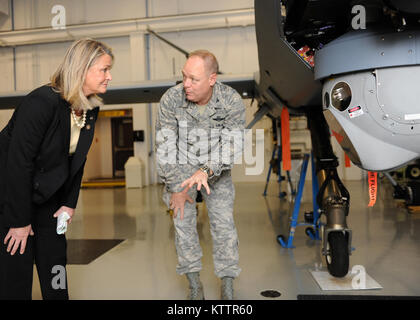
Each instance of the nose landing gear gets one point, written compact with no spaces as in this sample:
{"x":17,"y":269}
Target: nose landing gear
{"x":333,"y":198}
{"x":336,"y":236}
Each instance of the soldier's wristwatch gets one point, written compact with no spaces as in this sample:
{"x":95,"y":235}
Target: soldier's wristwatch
{"x":206,"y":169}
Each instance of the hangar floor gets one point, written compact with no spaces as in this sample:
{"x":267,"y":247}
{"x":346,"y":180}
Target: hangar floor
{"x":142,"y":265}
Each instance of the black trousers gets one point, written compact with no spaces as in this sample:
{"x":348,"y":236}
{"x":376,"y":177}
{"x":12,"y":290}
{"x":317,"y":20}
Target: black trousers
{"x":46,"y":248}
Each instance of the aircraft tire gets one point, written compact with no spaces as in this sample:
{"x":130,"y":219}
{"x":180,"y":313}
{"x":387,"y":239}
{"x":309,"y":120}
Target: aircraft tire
{"x":338,"y":256}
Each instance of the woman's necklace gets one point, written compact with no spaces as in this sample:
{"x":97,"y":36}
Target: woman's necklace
{"x":78,"y":123}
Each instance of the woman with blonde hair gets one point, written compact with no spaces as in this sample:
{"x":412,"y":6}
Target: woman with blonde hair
{"x":43,"y":151}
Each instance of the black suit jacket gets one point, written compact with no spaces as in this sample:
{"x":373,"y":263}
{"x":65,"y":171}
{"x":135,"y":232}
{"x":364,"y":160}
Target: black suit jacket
{"x":34,"y":156}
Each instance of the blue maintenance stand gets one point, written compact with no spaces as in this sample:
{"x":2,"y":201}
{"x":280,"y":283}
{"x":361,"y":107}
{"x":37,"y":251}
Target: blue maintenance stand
{"x":313,"y":227}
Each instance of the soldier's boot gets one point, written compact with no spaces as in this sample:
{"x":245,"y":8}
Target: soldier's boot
{"x":196,"y":287}
{"x":227,"y":288}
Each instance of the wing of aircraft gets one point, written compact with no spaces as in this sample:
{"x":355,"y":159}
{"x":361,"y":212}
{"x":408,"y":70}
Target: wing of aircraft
{"x":151,"y":91}
{"x":144,"y":92}
{"x":352,"y":67}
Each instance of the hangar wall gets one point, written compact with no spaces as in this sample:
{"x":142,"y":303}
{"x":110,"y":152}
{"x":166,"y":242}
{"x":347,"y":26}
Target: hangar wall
{"x":139,"y":56}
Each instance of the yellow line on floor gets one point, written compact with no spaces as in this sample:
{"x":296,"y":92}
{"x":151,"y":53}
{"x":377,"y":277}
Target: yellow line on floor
{"x":103,"y":184}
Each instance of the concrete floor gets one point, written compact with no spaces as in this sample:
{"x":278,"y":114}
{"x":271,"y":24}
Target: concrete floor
{"x":386,"y":240}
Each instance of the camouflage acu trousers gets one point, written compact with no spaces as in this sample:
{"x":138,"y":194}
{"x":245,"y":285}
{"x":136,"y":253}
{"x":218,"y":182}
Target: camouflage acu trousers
{"x":222,"y":227}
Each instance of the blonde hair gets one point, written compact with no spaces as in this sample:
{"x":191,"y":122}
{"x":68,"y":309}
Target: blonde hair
{"x":209,"y":59}
{"x":70,"y":75}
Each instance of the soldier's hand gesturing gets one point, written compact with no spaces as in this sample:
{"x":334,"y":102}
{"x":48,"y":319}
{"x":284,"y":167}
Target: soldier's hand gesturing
{"x":199,"y":178}
{"x":177,"y":202}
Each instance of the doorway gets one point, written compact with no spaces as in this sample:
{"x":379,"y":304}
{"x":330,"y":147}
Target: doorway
{"x":122,"y":144}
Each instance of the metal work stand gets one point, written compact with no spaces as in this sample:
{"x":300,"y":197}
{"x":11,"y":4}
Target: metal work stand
{"x":279,"y":180}
{"x":277,"y":150}
{"x":311,"y":221}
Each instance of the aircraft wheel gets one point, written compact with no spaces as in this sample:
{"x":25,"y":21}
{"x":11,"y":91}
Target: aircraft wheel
{"x":337,"y":257}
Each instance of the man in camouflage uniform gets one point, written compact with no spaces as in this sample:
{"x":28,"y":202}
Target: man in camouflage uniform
{"x":193,"y":121}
